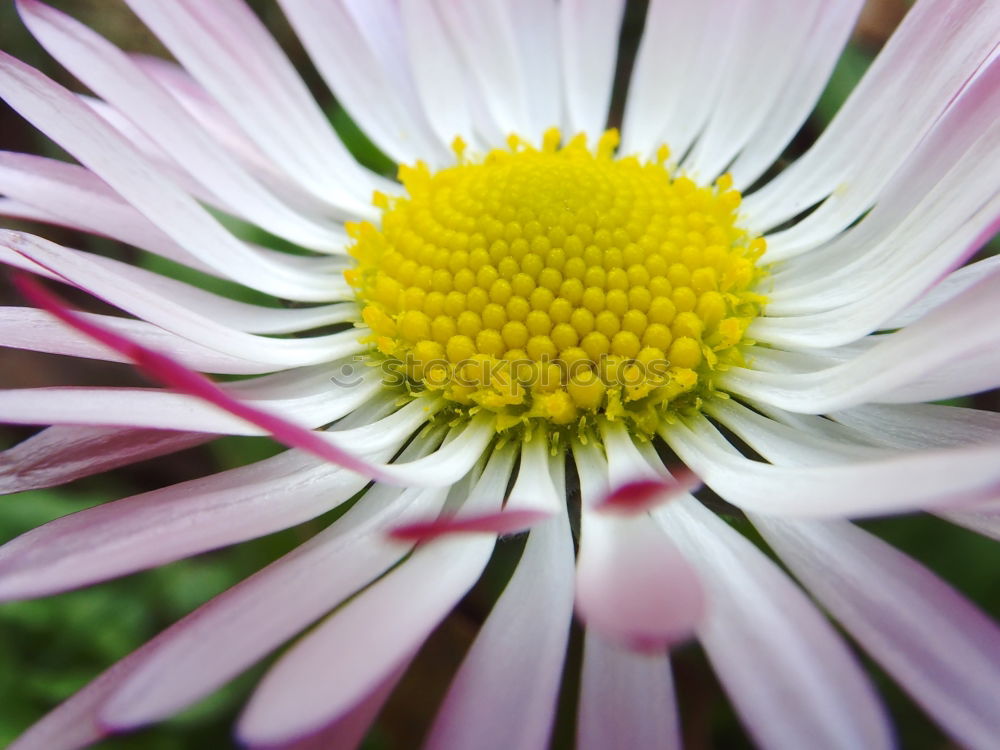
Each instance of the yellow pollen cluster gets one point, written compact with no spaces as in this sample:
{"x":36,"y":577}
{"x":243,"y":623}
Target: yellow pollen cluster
{"x":559,"y":284}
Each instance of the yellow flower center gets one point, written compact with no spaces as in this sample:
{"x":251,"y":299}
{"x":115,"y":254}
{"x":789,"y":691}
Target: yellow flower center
{"x":560,"y":284}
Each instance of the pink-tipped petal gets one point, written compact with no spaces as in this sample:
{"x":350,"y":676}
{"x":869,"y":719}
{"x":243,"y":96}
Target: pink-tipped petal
{"x":632,"y":584}
{"x":175,"y":375}
{"x":61,"y":454}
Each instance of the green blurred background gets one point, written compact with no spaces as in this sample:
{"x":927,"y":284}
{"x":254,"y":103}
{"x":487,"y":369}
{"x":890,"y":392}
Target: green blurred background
{"x":50,"y":647}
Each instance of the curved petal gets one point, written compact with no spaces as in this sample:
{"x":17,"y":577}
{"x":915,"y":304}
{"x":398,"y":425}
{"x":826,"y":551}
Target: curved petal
{"x":35,"y":330}
{"x":357,"y":47}
{"x":188,"y":518}
{"x":229,"y":51}
{"x":112,"y":75}
{"x":418,"y":593}
{"x":789,"y":675}
{"x":938,"y":646}
{"x":59,"y":114}
{"x":495,"y":681}
{"x":938,"y":349}
{"x":938,"y":479}
{"x":919,"y":72}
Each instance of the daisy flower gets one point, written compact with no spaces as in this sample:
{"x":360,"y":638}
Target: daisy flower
{"x":542,"y":325}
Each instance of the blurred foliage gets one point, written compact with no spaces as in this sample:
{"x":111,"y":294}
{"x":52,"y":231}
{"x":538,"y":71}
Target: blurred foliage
{"x":51,"y":647}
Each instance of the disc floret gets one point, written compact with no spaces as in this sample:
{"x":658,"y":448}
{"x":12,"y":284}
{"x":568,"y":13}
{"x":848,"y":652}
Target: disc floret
{"x":559,"y":284}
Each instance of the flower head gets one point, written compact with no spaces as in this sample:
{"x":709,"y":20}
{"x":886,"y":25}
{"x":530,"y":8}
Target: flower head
{"x":540,"y":325}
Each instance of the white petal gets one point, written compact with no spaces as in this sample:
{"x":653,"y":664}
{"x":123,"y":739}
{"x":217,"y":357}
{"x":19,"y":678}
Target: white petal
{"x":126,"y":288}
{"x":789,"y":675}
{"x":921,"y":425}
{"x":437,"y":72}
{"x":589,"y":31}
{"x":331,"y":669}
{"x":112,"y":75}
{"x":799,"y":92}
{"x":919,"y":479}
{"x":36,"y":330}
{"x":626,"y":699}
{"x":174,"y":522}
{"x":932,"y":356}
{"x":357,"y":47}
{"x":305,"y":396}
{"x":534,"y":489}
{"x":946,"y":289}
{"x":484,"y":33}
{"x":537,"y":35}
{"x":677,"y":73}
{"x":916,"y":76}
{"x":78,"y":198}
{"x":938,"y":646}
{"x":771,"y":42}
{"x":230,"y":52}
{"x":515,"y":664}
{"x":59,"y":114}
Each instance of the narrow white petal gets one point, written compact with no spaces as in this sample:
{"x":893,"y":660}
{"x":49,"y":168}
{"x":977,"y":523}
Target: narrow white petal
{"x":827,"y":37}
{"x":437,"y":72}
{"x":36,"y":330}
{"x":916,"y":76}
{"x":357,"y":47}
{"x":127,"y":288}
{"x":589,"y":31}
{"x":935,"y":643}
{"x":329,"y":671}
{"x":757,"y":64}
{"x":677,"y":73}
{"x":484,"y":33}
{"x":931,"y":358}
{"x":496,"y":681}
{"x":230,"y":52}
{"x":112,"y":75}
{"x":60,"y":115}
{"x":789,"y":675}
{"x":950,"y":286}
{"x":921,"y":425}
{"x":914,"y":480}
{"x":77,"y":197}
{"x":626,"y":699}
{"x":534,"y":489}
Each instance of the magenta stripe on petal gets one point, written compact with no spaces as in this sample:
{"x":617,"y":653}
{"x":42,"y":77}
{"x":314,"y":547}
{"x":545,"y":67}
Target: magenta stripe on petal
{"x":175,"y":375}
{"x":503,"y":522}
{"x":643,"y":494}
